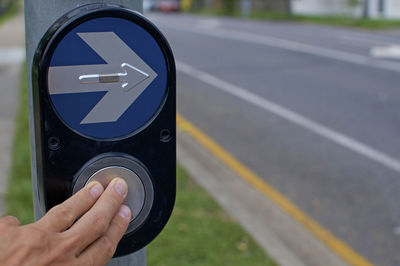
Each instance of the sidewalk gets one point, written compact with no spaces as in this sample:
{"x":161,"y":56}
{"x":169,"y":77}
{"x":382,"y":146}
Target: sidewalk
{"x":12,"y":54}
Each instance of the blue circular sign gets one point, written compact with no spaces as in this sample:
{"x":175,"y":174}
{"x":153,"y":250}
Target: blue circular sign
{"x":107,"y":78}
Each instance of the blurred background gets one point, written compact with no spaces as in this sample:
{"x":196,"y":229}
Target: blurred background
{"x":305,"y":94}
{"x":352,"y":8}
{"x":288,"y":130}
{"x":4,"y":5}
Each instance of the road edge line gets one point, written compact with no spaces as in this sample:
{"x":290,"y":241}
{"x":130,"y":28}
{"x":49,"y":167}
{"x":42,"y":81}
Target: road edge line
{"x":339,"y":247}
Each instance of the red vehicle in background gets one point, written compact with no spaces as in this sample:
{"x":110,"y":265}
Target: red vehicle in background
{"x":168,"y":6}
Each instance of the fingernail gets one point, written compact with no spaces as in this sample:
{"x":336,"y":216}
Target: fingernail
{"x":121,"y":187}
{"x":124,"y":212}
{"x":96,"y":189}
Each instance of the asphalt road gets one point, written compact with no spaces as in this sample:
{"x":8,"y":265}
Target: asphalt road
{"x":308,"y":109}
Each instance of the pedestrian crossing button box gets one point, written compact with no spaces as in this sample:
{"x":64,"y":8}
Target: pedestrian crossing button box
{"x":103,"y":89}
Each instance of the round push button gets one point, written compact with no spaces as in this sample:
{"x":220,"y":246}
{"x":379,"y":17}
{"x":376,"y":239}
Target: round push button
{"x":136,"y":193}
{"x":105,"y":167}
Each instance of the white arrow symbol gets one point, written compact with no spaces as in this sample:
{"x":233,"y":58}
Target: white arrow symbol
{"x":129,"y":77}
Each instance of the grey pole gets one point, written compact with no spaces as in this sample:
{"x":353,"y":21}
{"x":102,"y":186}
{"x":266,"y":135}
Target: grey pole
{"x":366,"y":9}
{"x":245,"y":8}
{"x":39,"y":16}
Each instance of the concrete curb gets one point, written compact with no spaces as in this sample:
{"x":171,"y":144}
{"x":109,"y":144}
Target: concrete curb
{"x":287,"y":242}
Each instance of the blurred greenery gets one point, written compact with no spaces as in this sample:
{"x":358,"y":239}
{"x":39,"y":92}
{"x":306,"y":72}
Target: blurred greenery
{"x":19,"y":195}
{"x":353,"y":3}
{"x":8,"y":8}
{"x":342,"y":21}
{"x":198,"y":233}
{"x":229,"y":6}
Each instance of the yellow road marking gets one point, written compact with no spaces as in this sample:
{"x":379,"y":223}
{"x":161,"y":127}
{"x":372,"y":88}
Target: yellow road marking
{"x":338,"y":246}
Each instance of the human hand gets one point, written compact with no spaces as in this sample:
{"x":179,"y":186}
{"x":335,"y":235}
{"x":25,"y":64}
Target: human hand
{"x":60,"y":238}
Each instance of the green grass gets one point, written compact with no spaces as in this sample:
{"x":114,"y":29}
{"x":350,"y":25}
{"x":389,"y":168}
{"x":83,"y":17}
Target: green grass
{"x":342,"y":21}
{"x":19,"y":195}
{"x":198,"y":233}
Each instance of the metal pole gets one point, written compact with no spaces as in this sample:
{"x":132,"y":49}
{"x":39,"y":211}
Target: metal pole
{"x":366,"y":9}
{"x":39,"y":16}
{"x":245,"y":8}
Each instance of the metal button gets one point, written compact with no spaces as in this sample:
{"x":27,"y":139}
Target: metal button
{"x":136,"y":192}
{"x":104,"y":167}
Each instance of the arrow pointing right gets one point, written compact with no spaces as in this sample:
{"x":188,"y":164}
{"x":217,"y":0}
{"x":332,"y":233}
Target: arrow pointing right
{"x":123,"y":88}
{"x":130,"y":78}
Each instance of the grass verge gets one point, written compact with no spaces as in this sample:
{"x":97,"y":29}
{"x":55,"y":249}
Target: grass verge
{"x":19,"y":195}
{"x":198,"y":233}
{"x":342,"y":21}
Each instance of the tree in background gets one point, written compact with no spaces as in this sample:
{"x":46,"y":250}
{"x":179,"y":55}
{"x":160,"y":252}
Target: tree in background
{"x":233,"y":7}
{"x":278,"y":6}
{"x":197,"y":4}
{"x":4,"y":5}
{"x":353,"y":3}
{"x":229,"y":6}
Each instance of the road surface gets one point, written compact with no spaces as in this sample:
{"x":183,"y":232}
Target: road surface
{"x":313,"y":110}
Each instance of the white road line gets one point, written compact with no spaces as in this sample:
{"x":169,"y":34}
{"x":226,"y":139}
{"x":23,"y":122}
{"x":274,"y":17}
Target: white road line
{"x":355,"y":44}
{"x":291,"y":46}
{"x":208,"y":24}
{"x":363,"y":41}
{"x":289,"y":115}
{"x":13,"y":55}
{"x":392,"y":51}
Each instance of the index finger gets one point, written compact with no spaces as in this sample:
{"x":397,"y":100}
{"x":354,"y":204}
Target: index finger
{"x":96,"y":221}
